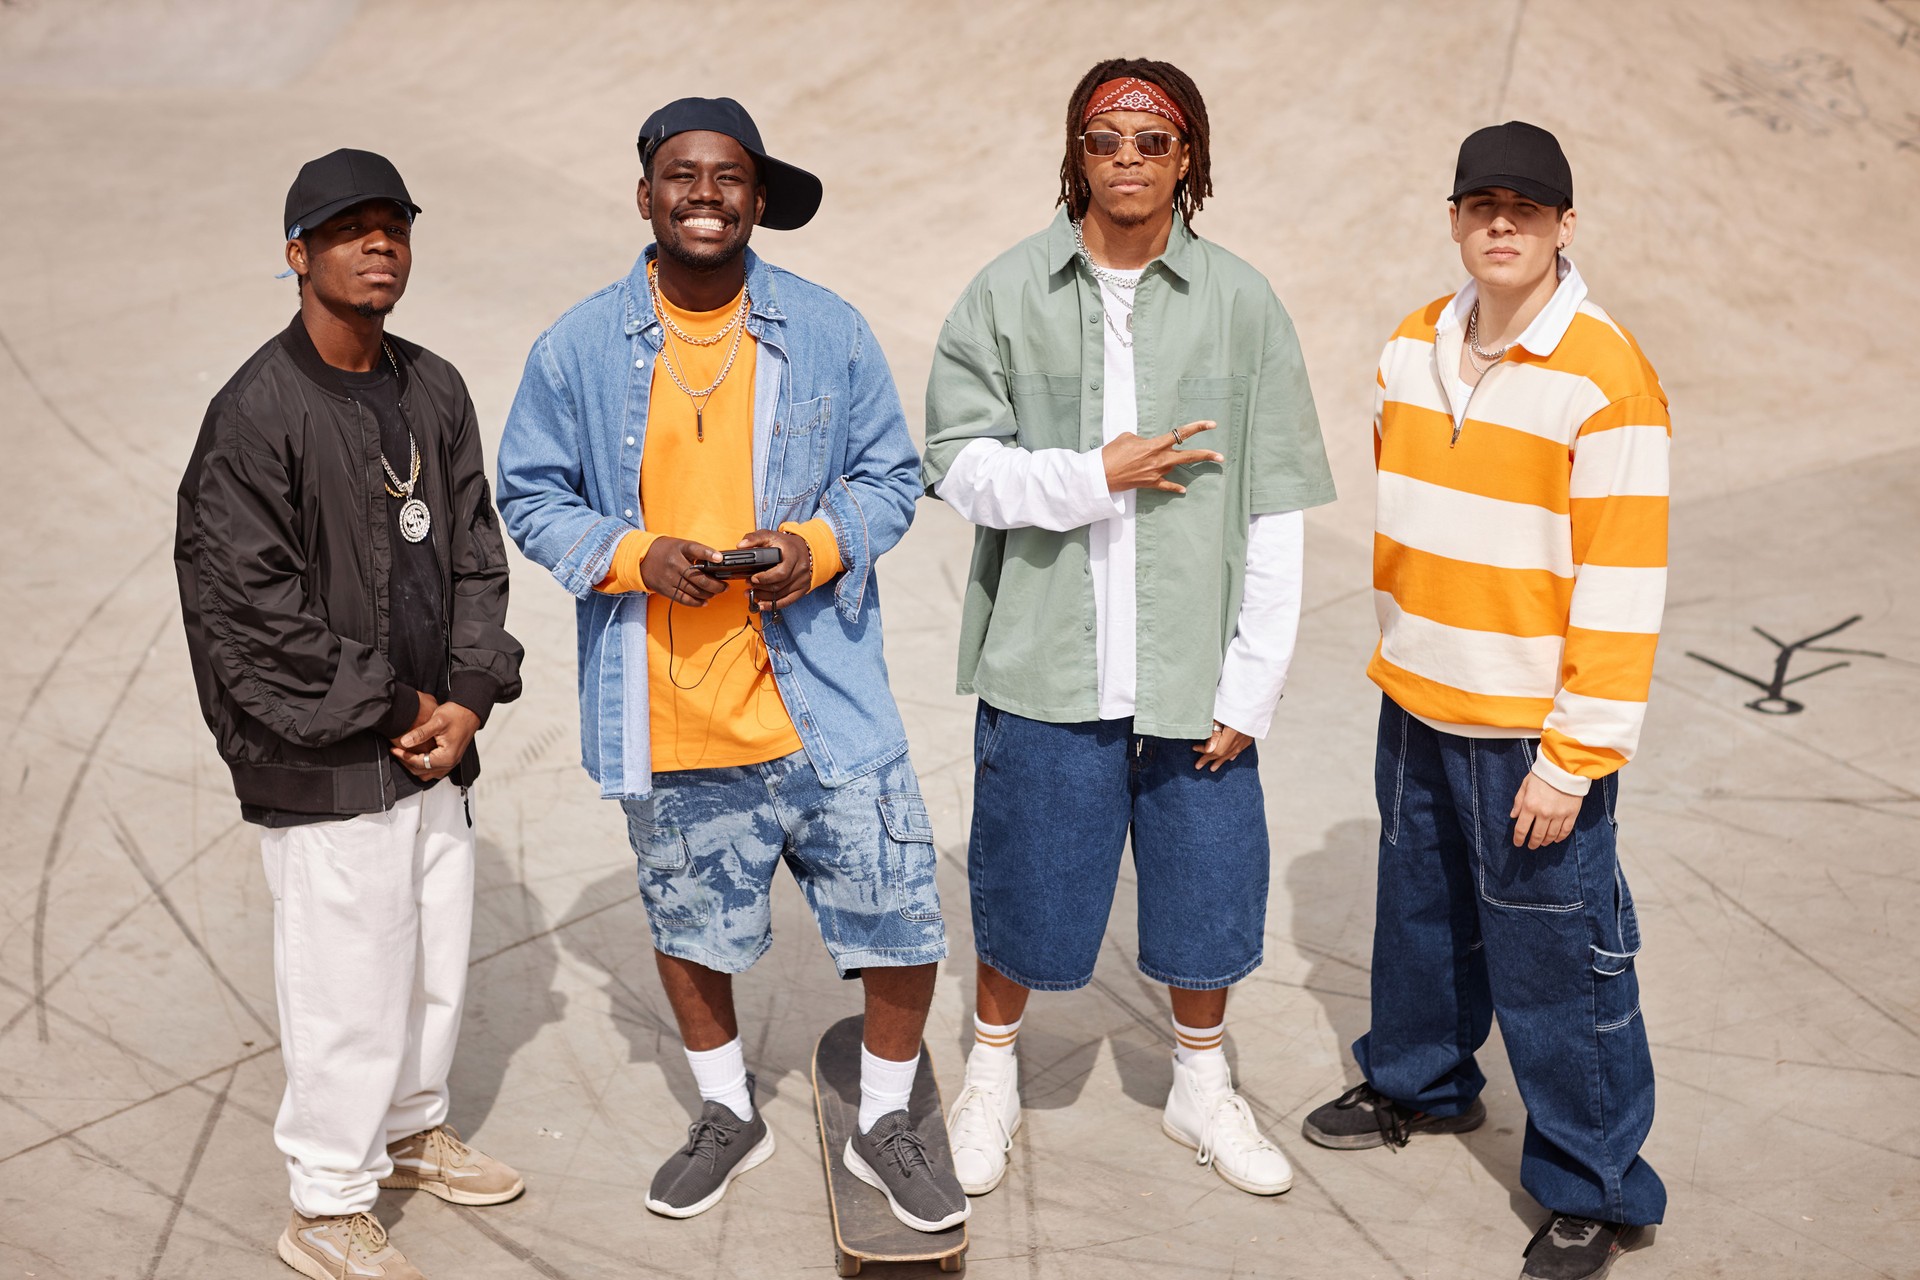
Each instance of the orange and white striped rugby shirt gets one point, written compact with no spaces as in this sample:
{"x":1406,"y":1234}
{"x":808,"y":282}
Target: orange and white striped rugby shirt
{"x":1520,"y":557}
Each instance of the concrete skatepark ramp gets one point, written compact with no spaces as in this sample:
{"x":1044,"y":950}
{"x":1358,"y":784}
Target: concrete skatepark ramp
{"x":1747,"y":175}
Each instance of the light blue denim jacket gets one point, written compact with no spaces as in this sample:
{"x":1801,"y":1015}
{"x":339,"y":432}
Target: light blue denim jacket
{"x":829,"y":440}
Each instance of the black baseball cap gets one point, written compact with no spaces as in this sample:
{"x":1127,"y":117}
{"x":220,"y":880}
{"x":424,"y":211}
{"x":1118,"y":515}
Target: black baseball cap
{"x":339,"y":180}
{"x":793,"y":194}
{"x":1516,"y":155}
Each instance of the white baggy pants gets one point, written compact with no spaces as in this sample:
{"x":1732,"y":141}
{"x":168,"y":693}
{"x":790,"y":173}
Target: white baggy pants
{"x":372,"y":918}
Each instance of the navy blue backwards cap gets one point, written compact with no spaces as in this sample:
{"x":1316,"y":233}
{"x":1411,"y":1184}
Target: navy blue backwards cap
{"x":793,"y":194}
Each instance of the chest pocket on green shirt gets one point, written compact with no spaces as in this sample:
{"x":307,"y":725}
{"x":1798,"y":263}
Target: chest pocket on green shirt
{"x":1046,"y":409}
{"x":1219,"y":400}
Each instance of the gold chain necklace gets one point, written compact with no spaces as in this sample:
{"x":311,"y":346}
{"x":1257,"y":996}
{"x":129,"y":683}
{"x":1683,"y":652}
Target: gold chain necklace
{"x":699,"y":398}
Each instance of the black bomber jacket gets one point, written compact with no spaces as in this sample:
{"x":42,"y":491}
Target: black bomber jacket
{"x":283,"y":549}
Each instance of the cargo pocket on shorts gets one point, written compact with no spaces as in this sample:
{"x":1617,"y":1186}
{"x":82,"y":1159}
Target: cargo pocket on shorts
{"x":672,"y":900}
{"x":911,"y":859}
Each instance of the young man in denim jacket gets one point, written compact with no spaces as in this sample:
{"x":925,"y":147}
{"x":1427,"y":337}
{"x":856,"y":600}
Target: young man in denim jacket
{"x":709,"y":400}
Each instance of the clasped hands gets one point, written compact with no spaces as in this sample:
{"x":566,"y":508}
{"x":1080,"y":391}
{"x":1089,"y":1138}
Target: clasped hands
{"x":671,"y":569}
{"x":439,"y":738}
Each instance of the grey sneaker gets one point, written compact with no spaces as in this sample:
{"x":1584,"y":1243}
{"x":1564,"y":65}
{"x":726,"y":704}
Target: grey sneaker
{"x":920,"y":1185}
{"x":1364,"y":1117}
{"x":720,"y":1147}
{"x":1570,"y":1248}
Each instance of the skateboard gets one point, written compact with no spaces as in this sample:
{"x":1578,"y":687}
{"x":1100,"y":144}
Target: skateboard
{"x":864,"y":1228}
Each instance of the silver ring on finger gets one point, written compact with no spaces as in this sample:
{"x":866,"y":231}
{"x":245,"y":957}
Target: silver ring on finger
{"x":1177,"y":437}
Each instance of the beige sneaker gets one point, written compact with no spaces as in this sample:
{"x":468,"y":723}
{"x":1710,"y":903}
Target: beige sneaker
{"x":438,"y":1163}
{"x":343,"y":1248}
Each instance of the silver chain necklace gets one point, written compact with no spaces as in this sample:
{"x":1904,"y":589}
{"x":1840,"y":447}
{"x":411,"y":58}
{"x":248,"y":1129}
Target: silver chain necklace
{"x":1123,"y":285}
{"x":699,"y":398}
{"x":415,"y":519}
{"x":1473,"y":337}
{"x":1126,"y":284}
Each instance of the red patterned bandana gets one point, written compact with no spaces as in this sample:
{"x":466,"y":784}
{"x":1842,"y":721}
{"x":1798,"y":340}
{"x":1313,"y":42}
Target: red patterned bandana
{"x":1131,"y":94}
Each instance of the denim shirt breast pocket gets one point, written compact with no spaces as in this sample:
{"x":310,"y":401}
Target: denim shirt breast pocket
{"x":799,"y":452}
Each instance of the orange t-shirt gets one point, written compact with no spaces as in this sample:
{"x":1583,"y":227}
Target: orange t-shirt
{"x":714,"y":700}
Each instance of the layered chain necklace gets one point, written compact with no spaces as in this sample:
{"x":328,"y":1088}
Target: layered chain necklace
{"x":415,"y":519}
{"x":1473,"y":338}
{"x":1122,"y":283}
{"x":736,"y":325}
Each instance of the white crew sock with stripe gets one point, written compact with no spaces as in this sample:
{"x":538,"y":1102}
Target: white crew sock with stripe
{"x":1193,"y":1045}
{"x":994,"y":1038}
{"x":721,"y":1075}
{"x":886,"y":1086}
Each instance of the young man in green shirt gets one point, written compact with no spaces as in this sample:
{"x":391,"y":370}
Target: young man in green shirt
{"x":1132,"y":603}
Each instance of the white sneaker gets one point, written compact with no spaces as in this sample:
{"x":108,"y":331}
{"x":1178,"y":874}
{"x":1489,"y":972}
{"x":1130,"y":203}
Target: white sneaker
{"x":1203,"y":1112}
{"x":984,"y":1118}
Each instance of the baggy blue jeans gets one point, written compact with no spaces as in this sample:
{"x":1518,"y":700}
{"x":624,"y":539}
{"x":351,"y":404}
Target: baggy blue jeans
{"x":1467,"y":926}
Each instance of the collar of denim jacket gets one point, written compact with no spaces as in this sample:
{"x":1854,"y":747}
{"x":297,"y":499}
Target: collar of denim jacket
{"x":764,"y":316}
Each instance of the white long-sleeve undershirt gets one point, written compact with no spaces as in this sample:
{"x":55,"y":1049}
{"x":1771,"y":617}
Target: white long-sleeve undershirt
{"x":1008,"y":487}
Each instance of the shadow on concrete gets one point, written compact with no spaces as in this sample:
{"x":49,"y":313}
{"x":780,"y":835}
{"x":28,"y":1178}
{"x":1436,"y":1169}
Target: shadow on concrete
{"x":510,"y":987}
{"x":1332,"y":889}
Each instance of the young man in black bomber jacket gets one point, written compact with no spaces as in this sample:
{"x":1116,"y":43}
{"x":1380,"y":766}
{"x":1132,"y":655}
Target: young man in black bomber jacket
{"x":344,"y":587}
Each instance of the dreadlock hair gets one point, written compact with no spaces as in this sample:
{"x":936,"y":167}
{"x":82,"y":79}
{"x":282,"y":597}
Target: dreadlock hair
{"x":1192,"y":191}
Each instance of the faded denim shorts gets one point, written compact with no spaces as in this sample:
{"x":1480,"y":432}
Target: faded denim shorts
{"x":708,"y":841}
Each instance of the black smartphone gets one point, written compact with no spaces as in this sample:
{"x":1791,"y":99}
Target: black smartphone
{"x":741,"y":564}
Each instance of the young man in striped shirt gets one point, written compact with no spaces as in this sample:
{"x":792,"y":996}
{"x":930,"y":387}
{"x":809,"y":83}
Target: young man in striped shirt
{"x":1521,"y":442}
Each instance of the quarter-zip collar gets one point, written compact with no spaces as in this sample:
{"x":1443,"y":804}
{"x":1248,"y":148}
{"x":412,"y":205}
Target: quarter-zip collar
{"x":1551,"y":325}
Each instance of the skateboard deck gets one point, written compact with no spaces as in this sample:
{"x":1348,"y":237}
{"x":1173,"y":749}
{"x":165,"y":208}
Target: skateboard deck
{"x":864,"y":1228}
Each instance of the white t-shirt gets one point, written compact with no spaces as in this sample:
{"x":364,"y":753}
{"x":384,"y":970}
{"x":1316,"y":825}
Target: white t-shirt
{"x":1110,"y":542}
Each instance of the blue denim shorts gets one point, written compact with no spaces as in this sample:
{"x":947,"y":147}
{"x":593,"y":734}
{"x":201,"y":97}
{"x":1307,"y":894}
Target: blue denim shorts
{"x":708,"y":841}
{"x":1053,"y":805}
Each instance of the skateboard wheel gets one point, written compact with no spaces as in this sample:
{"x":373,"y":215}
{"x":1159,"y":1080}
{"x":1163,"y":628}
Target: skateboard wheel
{"x":954,"y":1262}
{"x":847,"y":1266}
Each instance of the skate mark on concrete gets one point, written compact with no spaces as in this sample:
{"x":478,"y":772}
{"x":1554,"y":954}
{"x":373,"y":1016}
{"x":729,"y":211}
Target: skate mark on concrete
{"x":90,"y":1152}
{"x":186,"y":1179}
{"x":135,"y":481}
{"x":1793,"y":946}
{"x":526,"y":1256}
{"x":547,"y":932}
{"x":1506,"y":67}
{"x":1784,"y":1062}
{"x":1772,"y":700}
{"x":93,"y":945}
{"x":60,"y":830}
{"x":1902,"y":24}
{"x":131,"y":847}
{"x":66,"y":646}
{"x":135,"y":1105}
{"x":1807,"y":91}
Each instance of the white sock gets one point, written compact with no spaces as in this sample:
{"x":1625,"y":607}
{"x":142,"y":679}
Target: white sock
{"x":1192,"y":1044}
{"x":995,"y":1039}
{"x":721,"y":1075}
{"x":885,"y":1086}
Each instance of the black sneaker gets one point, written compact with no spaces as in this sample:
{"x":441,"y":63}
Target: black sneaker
{"x":720,"y":1147}
{"x":919,"y":1184}
{"x":1364,"y":1117}
{"x":1570,"y":1248}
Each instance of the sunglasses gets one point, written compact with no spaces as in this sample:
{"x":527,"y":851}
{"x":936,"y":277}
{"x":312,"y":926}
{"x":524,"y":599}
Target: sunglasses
{"x":1154,"y":144}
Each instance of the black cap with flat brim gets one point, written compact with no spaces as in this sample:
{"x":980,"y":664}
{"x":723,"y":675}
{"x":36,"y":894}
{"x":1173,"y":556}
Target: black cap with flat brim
{"x":1521,"y":157}
{"x":340,"y":180}
{"x":793,"y":194}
